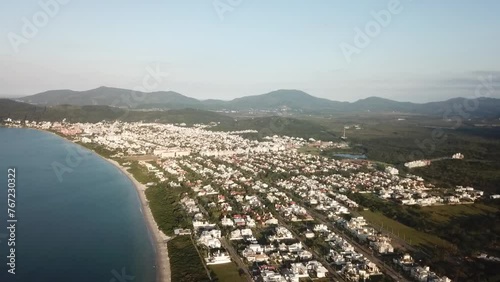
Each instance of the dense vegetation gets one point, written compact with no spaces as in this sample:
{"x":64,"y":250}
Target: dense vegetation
{"x":469,"y":230}
{"x":387,"y":139}
{"x":269,"y":126}
{"x":23,"y":111}
{"x":479,"y":169}
{"x":166,"y":207}
{"x":472,"y":232}
{"x":185,"y":262}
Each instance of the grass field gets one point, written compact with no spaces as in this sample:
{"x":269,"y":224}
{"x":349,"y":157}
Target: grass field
{"x":441,"y":214}
{"x":411,"y":235}
{"x":308,"y":150}
{"x":140,"y":173}
{"x":145,"y":158}
{"x":227,"y":272}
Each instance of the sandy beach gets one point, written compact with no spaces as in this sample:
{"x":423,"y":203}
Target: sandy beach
{"x":160,"y":239}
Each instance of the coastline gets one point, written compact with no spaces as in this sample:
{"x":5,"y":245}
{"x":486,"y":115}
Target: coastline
{"x":159,"y":238}
{"x":163,"y":273}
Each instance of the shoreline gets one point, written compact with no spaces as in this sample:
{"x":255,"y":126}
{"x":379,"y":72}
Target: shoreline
{"x":158,"y":237}
{"x":162,"y":260}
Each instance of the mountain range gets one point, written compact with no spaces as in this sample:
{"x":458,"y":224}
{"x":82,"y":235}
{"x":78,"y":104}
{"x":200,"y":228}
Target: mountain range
{"x":291,"y":100}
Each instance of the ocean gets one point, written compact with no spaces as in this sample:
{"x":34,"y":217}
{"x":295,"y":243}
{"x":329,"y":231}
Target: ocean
{"x":78,"y":217}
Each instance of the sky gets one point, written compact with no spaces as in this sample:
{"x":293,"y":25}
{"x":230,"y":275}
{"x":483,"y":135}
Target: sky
{"x":404,"y":50}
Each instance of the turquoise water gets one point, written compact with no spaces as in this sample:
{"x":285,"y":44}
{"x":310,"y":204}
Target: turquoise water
{"x":86,"y":227}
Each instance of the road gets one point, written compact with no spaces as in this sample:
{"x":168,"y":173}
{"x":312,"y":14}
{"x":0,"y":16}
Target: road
{"x":201,"y":258}
{"x":229,"y":248}
{"x":361,"y":249}
{"x":236,"y":258}
{"x":395,"y":238}
{"x":388,"y":270}
{"x":317,"y":256}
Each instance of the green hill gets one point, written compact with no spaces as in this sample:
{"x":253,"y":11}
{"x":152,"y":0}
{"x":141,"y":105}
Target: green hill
{"x":24,"y":111}
{"x":285,"y":99}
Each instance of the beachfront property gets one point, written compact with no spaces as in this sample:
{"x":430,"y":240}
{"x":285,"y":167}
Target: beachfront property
{"x":251,"y":208}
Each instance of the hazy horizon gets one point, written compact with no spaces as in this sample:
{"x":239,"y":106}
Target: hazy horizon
{"x":404,"y":50}
{"x":255,"y":94}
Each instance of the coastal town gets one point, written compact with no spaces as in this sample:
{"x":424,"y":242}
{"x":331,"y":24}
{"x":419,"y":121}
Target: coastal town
{"x":250,"y":141}
{"x":278,"y":213}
